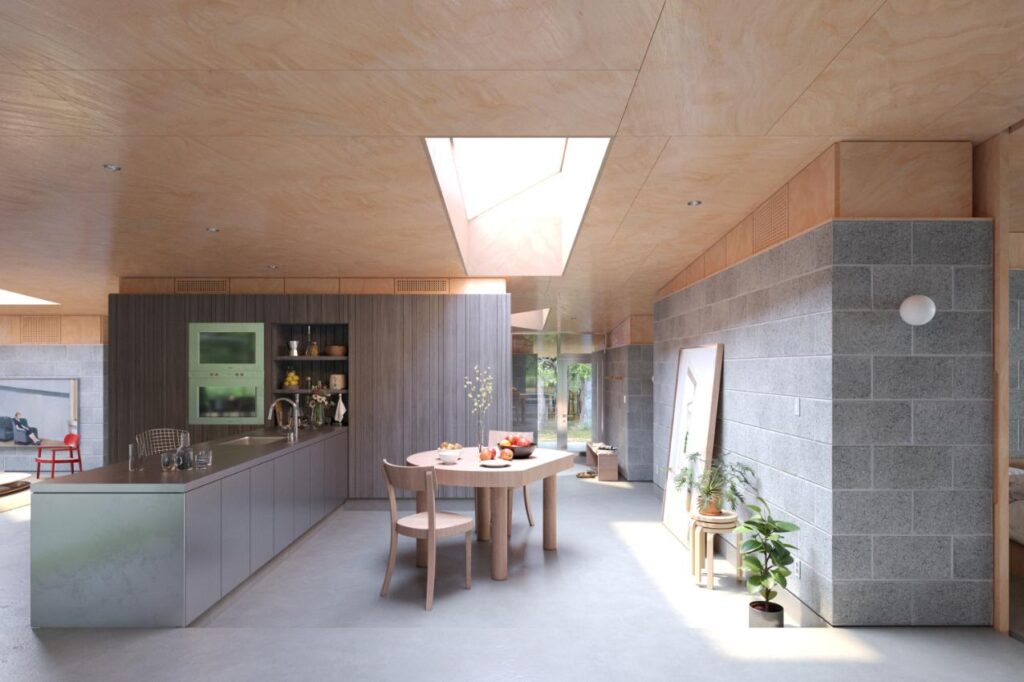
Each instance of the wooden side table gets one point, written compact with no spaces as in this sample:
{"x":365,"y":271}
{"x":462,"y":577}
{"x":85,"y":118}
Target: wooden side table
{"x":703,"y":529}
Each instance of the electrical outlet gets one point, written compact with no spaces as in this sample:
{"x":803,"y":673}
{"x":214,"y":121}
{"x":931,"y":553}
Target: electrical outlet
{"x":796,"y":407}
{"x":624,"y":400}
{"x":796,"y":569}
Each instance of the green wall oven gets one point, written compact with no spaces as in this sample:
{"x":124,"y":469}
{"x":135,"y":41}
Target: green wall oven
{"x":225,"y":365}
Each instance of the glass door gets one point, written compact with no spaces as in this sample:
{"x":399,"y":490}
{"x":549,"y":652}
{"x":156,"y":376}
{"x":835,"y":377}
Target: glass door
{"x":575,"y":402}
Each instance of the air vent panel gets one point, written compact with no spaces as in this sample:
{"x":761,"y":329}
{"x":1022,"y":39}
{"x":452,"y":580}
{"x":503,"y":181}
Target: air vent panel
{"x":201,"y":286}
{"x":40,"y":329}
{"x":771,"y":221}
{"x":421,"y":285}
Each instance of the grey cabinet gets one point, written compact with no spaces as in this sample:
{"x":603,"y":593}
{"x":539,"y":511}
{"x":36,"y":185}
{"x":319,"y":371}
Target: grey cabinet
{"x":302,"y":490}
{"x":202,"y":549}
{"x":261,"y":516}
{"x":338,"y":448}
{"x":235,"y":520}
{"x":284,"y":496}
{"x":331,"y":496}
{"x":316,"y":482}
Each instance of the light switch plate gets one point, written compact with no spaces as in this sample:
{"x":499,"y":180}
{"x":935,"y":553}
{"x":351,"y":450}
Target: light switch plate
{"x":796,"y":407}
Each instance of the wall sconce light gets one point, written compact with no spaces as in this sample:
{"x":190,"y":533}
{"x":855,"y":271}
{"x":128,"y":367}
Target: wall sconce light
{"x":917,"y":310}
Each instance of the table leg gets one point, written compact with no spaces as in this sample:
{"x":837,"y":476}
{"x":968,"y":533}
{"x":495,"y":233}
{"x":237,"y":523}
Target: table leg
{"x":550,"y":513}
{"x":739,"y":557}
{"x":711,"y":561}
{"x":483,"y":514}
{"x":421,"y":545}
{"x":499,"y":534}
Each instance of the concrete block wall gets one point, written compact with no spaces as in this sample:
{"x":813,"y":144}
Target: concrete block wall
{"x":773,"y":314}
{"x":87,"y":363}
{"x":628,"y":408}
{"x":912,"y":424}
{"x":1016,"y":361}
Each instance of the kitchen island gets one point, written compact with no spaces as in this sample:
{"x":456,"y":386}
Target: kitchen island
{"x":114,"y":548}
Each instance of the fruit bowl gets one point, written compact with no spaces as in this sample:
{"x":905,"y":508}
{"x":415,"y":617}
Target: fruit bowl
{"x":521,"y":451}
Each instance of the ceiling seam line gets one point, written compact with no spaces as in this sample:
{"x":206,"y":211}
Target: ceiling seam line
{"x":640,"y":189}
{"x":643,"y":61}
{"x":840,"y":51}
{"x":1013,"y":65}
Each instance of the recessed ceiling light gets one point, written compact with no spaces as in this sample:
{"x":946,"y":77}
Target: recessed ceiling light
{"x":694,"y":202}
{"x":213,"y":229}
{"x":112,"y":167}
{"x":271,"y":267}
{"x":14,"y":298}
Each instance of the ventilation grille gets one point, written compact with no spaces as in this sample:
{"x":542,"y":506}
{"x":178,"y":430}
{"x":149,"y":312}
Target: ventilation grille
{"x":771,"y":220}
{"x":37,"y":329}
{"x":201,"y":286}
{"x":421,"y":285}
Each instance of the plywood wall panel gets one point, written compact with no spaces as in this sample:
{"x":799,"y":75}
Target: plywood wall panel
{"x":739,"y":243}
{"x":82,"y":329}
{"x":257,"y":285}
{"x":812,"y":193}
{"x":311,"y":285}
{"x":10,"y":329}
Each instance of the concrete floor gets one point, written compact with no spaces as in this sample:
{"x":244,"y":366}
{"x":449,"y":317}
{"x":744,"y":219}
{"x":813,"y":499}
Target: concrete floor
{"x":614,"y":601}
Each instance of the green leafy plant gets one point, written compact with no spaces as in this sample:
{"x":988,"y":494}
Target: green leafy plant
{"x":766,"y":556}
{"x":717,"y":483}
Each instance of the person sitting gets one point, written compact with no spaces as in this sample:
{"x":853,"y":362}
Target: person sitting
{"x":23,"y":433}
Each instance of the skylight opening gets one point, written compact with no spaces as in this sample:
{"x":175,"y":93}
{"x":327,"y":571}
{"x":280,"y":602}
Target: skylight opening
{"x":516,"y":204}
{"x":14,"y":298}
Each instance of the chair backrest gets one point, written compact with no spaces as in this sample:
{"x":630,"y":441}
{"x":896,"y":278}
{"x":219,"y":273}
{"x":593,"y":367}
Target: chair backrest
{"x":72,"y":439}
{"x":155,"y":441}
{"x":419,"y":479}
{"x":494,"y":436}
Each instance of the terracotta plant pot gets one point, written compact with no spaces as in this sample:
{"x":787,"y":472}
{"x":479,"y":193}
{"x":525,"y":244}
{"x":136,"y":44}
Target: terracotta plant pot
{"x":760,"y":618}
{"x":711,"y":508}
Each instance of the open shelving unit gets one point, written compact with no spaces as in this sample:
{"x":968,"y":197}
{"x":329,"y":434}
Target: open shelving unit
{"x":311,"y":369}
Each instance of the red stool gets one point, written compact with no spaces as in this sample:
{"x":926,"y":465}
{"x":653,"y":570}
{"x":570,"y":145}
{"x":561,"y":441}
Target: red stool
{"x":70,"y":446}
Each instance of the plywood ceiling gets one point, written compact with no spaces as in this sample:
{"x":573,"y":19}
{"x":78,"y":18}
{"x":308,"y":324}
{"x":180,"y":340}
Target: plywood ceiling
{"x":295,"y":127}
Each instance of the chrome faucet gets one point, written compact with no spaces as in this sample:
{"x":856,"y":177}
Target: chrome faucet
{"x":293,"y":437}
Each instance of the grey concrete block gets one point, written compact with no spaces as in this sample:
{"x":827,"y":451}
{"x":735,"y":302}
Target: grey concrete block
{"x":972,"y":376}
{"x":910,"y":467}
{"x":1017,"y":344}
{"x":952,"y":242}
{"x":972,"y":557}
{"x":851,"y":376}
{"x":872,"y":602}
{"x":948,"y":602}
{"x":972,"y":467}
{"x":955,"y":333}
{"x":851,"y":287}
{"x":807,"y":335}
{"x":851,"y":557}
{"x":808,"y":377}
{"x":871,"y":333}
{"x":1016,"y":284}
{"x":953,"y":422}
{"x":972,"y":288}
{"x":891,"y":284}
{"x":871,"y":422}
{"x":851,"y":467}
{"x":952,"y":512}
{"x":30,"y":353}
{"x":858,"y":512}
{"x":776,"y":413}
{"x":912,"y":377}
{"x":811,"y":293}
{"x":1014,"y":314}
{"x":870,"y":242}
{"x":912,"y":557}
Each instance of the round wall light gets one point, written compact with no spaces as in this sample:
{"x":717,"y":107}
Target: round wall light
{"x":917,"y":310}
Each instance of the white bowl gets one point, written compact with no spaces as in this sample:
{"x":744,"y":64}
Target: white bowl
{"x":449,"y":456}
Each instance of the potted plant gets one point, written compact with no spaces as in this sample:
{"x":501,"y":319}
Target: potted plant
{"x":767,"y":558}
{"x":718,"y":484}
{"x":480,"y":392}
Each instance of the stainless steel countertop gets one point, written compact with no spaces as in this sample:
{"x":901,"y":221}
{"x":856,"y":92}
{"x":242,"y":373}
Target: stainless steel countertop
{"x":227,"y":460}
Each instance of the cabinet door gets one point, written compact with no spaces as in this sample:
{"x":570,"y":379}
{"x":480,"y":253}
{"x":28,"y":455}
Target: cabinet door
{"x":284,"y":501}
{"x":261,"y":502}
{"x":235,"y":519}
{"x":301,"y":461}
{"x":202,"y":550}
{"x":316,"y":482}
{"x":330,"y":475}
{"x":341,"y":452}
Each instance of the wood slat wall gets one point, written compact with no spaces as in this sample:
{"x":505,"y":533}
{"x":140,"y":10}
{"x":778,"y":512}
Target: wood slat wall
{"x":408,"y":357}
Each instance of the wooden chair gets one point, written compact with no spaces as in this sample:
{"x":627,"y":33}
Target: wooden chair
{"x":492,"y":439}
{"x":70,"y":446}
{"x":428,"y":525}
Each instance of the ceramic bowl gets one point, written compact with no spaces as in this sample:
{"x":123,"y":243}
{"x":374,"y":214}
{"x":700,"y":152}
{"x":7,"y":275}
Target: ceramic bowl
{"x":449,"y":456}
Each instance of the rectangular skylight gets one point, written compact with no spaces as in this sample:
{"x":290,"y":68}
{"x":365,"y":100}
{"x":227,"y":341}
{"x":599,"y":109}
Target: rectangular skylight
{"x":14,"y":298}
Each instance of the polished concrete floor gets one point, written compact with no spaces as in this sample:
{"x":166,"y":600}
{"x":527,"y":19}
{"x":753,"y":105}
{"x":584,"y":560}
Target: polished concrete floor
{"x":613,"y":601}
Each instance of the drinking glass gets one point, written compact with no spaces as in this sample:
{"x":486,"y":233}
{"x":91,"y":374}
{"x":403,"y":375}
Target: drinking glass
{"x":134,"y":458}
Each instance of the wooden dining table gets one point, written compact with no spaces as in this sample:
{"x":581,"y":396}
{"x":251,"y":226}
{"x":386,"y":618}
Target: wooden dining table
{"x":492,"y":488}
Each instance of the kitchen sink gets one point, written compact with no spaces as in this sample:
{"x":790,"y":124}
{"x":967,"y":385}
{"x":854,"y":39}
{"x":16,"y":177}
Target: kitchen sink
{"x":256,"y":440}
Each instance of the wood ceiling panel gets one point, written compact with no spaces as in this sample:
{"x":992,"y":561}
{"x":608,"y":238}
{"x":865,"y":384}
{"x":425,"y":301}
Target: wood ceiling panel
{"x":910,"y":64}
{"x":425,"y":103}
{"x":354,"y":34}
{"x":986,"y":112}
{"x":732,"y":68}
{"x":27,"y":107}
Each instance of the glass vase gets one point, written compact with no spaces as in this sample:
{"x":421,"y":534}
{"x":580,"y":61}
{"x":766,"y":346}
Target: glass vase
{"x":481,"y":436}
{"x":317,"y":416}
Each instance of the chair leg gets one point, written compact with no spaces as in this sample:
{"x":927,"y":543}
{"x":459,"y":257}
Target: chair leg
{"x":431,"y":569}
{"x":37,"y":468}
{"x":53,"y":465}
{"x":526,"y":503}
{"x":391,"y":563}
{"x":469,"y":559}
